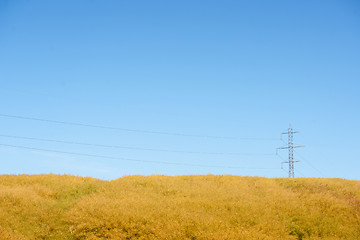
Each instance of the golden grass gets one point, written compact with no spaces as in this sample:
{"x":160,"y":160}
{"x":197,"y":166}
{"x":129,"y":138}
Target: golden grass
{"x":182,"y":207}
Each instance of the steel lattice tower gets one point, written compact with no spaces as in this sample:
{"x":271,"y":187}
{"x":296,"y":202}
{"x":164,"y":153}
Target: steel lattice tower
{"x":291,"y":151}
{"x":290,"y":147}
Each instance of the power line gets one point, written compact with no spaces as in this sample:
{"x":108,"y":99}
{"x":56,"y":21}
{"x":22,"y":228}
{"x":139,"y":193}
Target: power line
{"x":128,"y":159}
{"x":297,"y":170}
{"x":107,"y":127}
{"x":130,"y":148}
{"x":308,"y":162}
{"x":284,"y":170}
{"x":127,"y":129}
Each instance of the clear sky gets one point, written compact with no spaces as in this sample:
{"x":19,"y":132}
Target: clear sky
{"x":237,"y":69}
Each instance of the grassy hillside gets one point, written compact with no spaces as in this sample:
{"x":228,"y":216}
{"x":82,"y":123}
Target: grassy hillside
{"x":182,"y":207}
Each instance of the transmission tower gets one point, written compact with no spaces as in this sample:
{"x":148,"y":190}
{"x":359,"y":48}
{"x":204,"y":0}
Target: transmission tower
{"x":290,"y":147}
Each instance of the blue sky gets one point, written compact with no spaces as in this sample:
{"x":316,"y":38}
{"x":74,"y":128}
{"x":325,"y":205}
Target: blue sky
{"x":239,"y":69}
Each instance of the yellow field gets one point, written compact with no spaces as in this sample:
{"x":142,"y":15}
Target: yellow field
{"x":182,"y":207}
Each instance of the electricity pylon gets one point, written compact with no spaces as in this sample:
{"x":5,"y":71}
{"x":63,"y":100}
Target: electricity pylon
{"x":291,"y":147}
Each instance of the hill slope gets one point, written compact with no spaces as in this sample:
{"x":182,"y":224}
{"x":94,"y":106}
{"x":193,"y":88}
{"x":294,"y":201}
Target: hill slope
{"x":182,"y":207}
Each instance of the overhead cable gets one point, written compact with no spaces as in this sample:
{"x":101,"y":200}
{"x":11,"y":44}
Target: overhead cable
{"x":128,"y":129}
{"x":130,"y":159}
{"x":131,"y":148}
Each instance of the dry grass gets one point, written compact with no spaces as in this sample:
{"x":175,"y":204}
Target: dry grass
{"x":182,"y":207}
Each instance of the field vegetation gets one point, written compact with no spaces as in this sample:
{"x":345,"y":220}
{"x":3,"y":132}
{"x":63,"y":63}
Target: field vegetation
{"x":181,"y":207}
